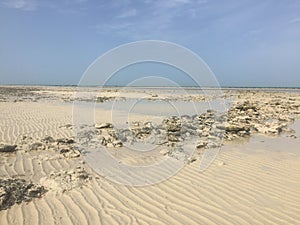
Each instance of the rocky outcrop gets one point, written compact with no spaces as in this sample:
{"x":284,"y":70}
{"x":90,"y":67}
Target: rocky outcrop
{"x":15,"y":191}
{"x":243,"y":119}
{"x":64,"y":146}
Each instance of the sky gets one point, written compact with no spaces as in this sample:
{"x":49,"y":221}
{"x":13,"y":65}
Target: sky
{"x":244,"y":42}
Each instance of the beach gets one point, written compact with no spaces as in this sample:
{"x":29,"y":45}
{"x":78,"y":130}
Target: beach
{"x":49,"y":173}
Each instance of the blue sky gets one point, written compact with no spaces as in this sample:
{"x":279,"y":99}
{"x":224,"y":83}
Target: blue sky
{"x":245,"y":42}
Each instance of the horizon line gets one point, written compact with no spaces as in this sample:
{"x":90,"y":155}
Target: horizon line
{"x":161,"y":86}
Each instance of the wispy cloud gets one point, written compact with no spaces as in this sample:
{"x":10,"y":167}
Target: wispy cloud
{"x":172,"y":3}
{"x":20,"y":4}
{"x":81,"y":1}
{"x":127,"y":14}
{"x":295,"y":20}
{"x":155,"y":18}
{"x":31,"y":5}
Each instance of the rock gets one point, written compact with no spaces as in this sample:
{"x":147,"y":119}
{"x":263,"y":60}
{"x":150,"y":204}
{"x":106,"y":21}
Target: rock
{"x":273,"y":130}
{"x":243,"y":133}
{"x":48,"y":139}
{"x":65,"y":141}
{"x":221,"y":126}
{"x":269,"y":128}
{"x":192,"y":159}
{"x":103,"y":126}
{"x":136,"y":123}
{"x":171,"y":144}
{"x":260,"y":128}
{"x":36,"y":146}
{"x":172,"y":124}
{"x":234,"y":127}
{"x":117,"y":143}
{"x":245,"y":106}
{"x":189,"y":126}
{"x":66,"y":126}
{"x":187,"y":117}
{"x":179,"y":154}
{"x":104,"y":99}
{"x":243,"y":119}
{"x":64,"y":151}
{"x":164,"y":151}
{"x":67,"y":180}
{"x":173,"y":138}
{"x":212,"y":144}
{"x":70,"y":153}
{"x":201,"y":144}
{"x":103,"y":141}
{"x":213,"y":138}
{"x":142,"y":132}
{"x":8,"y":148}
{"x":14,"y":191}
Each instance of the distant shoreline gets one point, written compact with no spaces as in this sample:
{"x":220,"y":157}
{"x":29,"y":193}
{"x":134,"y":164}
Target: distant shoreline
{"x":162,"y":87}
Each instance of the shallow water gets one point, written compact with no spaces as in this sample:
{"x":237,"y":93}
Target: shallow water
{"x":163,"y":108}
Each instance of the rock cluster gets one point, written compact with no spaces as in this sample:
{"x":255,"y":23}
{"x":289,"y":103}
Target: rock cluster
{"x":14,"y":191}
{"x":104,"y":99}
{"x":65,"y":146}
{"x":172,"y":127}
{"x":67,"y":180}
{"x":210,"y":128}
{"x":172,"y":133}
{"x":244,"y":118}
{"x":248,"y":117}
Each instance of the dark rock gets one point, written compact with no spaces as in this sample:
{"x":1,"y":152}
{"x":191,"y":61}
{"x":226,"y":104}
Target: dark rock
{"x":104,"y":99}
{"x":8,"y":148}
{"x":65,"y":141}
{"x":48,"y":139}
{"x":201,"y":144}
{"x":64,"y":151}
{"x":117,"y":143}
{"x":14,"y":191}
{"x":70,"y":153}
